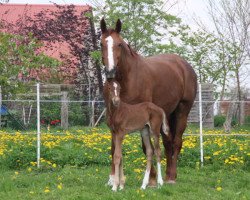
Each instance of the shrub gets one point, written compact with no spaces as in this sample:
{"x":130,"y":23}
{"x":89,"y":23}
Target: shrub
{"x":220,"y":119}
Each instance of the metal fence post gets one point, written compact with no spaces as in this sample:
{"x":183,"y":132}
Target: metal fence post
{"x":200,"y":115}
{"x":38,"y":124}
{"x":1,"y":107}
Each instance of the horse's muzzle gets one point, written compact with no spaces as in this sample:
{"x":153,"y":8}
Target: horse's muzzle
{"x":116,"y":101}
{"x":110,"y":74}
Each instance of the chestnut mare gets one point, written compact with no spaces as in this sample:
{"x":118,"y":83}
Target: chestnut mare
{"x":124,"y":118}
{"x":167,"y":80}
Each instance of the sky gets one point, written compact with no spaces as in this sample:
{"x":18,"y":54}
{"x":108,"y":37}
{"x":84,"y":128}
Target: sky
{"x":188,"y":10}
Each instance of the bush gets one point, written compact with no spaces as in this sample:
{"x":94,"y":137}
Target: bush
{"x":220,"y":119}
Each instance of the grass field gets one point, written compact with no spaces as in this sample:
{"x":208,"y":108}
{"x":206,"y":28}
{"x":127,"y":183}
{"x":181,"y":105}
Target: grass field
{"x":75,"y":165}
{"x":89,"y":183}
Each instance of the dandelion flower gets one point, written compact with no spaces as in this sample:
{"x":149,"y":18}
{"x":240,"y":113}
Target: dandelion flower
{"x":219,"y":189}
{"x":59,"y":186}
{"x":46,"y":190}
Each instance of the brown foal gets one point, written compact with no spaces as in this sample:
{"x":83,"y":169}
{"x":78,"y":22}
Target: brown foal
{"x":123,"y":118}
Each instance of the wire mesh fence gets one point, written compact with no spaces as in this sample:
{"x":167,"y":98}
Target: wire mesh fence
{"x":62,"y":106}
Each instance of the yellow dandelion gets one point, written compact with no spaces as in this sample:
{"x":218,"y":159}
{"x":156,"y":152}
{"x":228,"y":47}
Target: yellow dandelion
{"x":29,"y":169}
{"x":47,"y":190}
{"x":16,"y":173}
{"x":219,"y":189}
{"x":59,"y":186}
{"x":54,"y":165}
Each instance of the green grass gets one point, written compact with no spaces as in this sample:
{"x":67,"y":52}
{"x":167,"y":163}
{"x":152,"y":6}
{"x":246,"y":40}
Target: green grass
{"x":78,"y":161}
{"x":89,"y":183}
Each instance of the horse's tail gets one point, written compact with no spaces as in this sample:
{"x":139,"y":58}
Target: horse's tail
{"x":165,"y":126}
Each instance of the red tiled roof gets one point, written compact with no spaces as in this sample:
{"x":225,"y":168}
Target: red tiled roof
{"x":14,"y":12}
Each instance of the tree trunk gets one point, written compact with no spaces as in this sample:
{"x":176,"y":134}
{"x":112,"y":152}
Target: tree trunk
{"x":230,"y":112}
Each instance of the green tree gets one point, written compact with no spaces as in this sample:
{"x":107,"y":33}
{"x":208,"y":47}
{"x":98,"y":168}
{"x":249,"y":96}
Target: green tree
{"x":19,"y":54}
{"x":145,"y":22}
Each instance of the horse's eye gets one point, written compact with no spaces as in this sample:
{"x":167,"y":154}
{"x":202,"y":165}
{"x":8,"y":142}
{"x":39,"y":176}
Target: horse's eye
{"x":120,"y":45}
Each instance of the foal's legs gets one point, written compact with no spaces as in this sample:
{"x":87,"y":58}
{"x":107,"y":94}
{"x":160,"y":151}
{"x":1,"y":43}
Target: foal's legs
{"x":122,"y":177}
{"x":112,"y":173}
{"x":149,"y":154}
{"x":152,"y":176}
{"x":158,"y":159}
{"x":117,"y":159}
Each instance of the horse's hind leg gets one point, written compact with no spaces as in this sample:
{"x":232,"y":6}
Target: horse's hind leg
{"x":181,"y":115}
{"x":149,"y":154}
{"x":167,"y":143}
{"x":158,"y":158}
{"x":152,"y":176}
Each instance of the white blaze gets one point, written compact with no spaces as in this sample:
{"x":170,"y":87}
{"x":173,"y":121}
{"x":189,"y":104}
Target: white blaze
{"x":115,"y":86}
{"x":110,"y":43}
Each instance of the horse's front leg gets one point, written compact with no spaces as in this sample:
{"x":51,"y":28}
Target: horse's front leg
{"x":122,"y":177}
{"x":112,"y":173}
{"x":117,"y":160}
{"x":149,"y":154}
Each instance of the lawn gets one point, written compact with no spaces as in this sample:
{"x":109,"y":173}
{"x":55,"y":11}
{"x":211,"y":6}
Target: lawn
{"x":75,"y":165}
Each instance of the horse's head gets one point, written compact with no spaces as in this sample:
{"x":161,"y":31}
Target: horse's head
{"x":114,"y":89}
{"x":111,"y":44}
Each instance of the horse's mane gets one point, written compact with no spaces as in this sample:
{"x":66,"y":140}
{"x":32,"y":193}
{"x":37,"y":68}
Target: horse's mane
{"x":132,"y":51}
{"x":126,"y":46}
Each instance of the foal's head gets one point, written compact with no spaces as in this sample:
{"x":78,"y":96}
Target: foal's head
{"x":111,"y":44}
{"x":113,"y":90}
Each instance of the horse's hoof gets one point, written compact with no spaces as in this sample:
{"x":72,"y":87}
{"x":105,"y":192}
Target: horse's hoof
{"x":143,"y":187}
{"x":110,"y":181}
{"x":160,"y":183}
{"x":171,"y":182}
{"x":114,"y":188}
{"x":121,"y":187}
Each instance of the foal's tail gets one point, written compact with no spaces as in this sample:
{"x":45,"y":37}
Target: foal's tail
{"x":165,"y":126}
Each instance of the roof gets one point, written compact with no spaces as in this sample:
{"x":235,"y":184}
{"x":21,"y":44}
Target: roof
{"x":14,"y":12}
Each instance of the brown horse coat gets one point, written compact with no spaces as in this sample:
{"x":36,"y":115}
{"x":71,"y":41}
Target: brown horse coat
{"x":167,"y":80}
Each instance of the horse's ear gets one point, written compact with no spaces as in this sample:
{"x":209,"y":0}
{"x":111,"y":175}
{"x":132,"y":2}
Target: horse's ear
{"x":118,"y":26}
{"x":103,"y":25}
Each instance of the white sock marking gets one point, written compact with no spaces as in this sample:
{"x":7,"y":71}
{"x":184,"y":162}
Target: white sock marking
{"x":159,"y":176}
{"x":111,"y":180}
{"x":110,"y":43}
{"x":145,"y":180}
